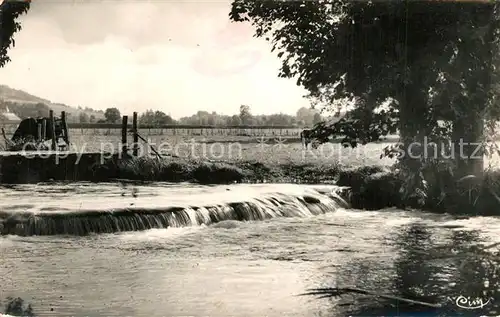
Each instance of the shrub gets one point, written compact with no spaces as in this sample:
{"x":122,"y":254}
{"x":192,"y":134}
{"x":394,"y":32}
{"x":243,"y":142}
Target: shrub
{"x":217,"y":173}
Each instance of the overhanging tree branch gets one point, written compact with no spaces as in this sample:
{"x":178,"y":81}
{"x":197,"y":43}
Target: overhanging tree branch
{"x":10,"y":10}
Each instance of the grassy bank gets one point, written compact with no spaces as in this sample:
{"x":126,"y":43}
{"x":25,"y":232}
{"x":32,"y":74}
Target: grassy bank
{"x":213,"y":172}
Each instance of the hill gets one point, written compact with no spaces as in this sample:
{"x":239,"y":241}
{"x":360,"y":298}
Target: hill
{"x":15,"y":95}
{"x":23,"y":104}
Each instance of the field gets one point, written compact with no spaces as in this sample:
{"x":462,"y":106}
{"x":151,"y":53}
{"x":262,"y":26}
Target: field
{"x":267,"y":149}
{"x":276,"y":147}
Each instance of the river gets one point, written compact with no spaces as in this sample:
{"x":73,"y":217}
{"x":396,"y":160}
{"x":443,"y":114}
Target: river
{"x":229,"y":267}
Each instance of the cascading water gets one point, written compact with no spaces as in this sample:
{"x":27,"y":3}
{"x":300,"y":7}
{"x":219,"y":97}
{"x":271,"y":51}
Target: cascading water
{"x":82,"y":209}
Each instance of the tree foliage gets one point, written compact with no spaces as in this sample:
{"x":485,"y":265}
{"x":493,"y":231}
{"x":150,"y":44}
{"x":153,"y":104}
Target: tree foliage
{"x":151,"y":117}
{"x":112,"y":115}
{"x":317,"y":118}
{"x":245,"y":115}
{"x":276,"y":119}
{"x":9,"y":13}
{"x":307,"y":115}
{"x":434,"y":60}
{"x":374,"y":50}
{"x":83,"y":117}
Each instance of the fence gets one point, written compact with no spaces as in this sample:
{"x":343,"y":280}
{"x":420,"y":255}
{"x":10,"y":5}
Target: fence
{"x":121,"y":131}
{"x":181,"y":130}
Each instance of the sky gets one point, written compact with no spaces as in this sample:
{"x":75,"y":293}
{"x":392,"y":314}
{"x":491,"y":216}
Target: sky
{"x":175,"y":56}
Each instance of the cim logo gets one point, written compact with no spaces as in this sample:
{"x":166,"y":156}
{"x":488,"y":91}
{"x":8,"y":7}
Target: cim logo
{"x":228,"y":52}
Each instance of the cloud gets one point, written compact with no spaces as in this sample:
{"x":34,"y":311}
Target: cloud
{"x":142,"y":22}
{"x":178,"y":57}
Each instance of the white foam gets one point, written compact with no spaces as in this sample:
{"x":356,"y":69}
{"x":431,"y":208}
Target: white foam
{"x":158,"y":234}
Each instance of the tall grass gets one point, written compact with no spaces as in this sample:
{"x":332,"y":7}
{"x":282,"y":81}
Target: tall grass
{"x":152,"y":169}
{"x":25,"y":144}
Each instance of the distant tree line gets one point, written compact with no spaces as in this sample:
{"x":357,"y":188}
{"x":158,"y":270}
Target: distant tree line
{"x":303,"y":117}
{"x":25,"y":110}
{"x":84,"y":117}
{"x":33,"y":110}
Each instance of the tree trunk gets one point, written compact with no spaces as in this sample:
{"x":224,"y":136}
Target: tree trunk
{"x":468,"y":130}
{"x":468,"y":148}
{"x":412,"y":126}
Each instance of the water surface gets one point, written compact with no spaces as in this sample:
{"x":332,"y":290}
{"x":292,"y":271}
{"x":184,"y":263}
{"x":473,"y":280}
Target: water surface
{"x":235,"y":268}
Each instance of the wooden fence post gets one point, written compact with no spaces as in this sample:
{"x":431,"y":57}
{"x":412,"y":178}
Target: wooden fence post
{"x":39,"y":133}
{"x":124,"y":133}
{"x":65,"y":129}
{"x":44,"y":129}
{"x":53,"y":128}
{"x":135,"y":128}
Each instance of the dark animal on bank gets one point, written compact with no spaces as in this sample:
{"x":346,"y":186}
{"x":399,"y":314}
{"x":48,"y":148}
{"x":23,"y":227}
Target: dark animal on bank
{"x":28,"y":129}
{"x":307,"y":137}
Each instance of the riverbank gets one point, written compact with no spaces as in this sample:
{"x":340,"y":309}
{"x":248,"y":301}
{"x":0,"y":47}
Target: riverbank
{"x":218,"y":172}
{"x":101,"y":167}
{"x":372,"y":187}
{"x":17,"y":168}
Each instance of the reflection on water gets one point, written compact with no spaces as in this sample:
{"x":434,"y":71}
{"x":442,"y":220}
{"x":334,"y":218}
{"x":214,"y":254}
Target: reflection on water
{"x":429,"y":268}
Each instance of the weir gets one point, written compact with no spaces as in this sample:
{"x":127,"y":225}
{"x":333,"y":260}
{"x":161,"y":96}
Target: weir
{"x":82,"y":209}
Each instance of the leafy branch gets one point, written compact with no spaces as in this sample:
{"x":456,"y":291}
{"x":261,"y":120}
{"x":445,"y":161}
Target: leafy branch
{"x":9,"y":13}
